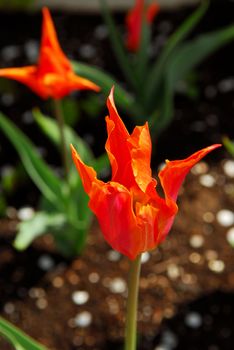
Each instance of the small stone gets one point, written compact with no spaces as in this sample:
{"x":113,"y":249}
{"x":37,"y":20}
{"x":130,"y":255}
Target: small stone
{"x":101,"y":32}
{"x":9,"y":308}
{"x":217,"y":266}
{"x":207,"y":180}
{"x":193,"y":320}
{"x":83,"y":319}
{"x":226,"y":85}
{"x":230,"y":236}
{"x":211,"y":254}
{"x":173,"y":271}
{"x":10,"y":52}
{"x":117,"y":285}
{"x":200,"y":168}
{"x":45,"y":262}
{"x":58,"y":282}
{"x":26,"y":213}
{"x":228,"y":168}
{"x":31,"y":49}
{"x":94,"y":277}
{"x":113,"y":255}
{"x":145,"y":257}
{"x":7,"y":99}
{"x":35,"y":293}
{"x":225,"y":217}
{"x":196,"y":241}
{"x":87,"y":51}
{"x":80,"y":297}
{"x":208,"y":217}
{"x":169,"y":339}
{"x":195,"y":258}
{"x":41,"y":303}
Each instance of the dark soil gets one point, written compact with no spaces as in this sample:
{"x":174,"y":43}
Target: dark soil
{"x":187,"y":284}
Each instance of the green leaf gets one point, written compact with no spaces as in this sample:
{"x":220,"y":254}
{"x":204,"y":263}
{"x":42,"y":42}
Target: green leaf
{"x":229,"y":145}
{"x":48,"y":183}
{"x":17,"y":338}
{"x":158,"y":70}
{"x":38,"y":225}
{"x":50,"y":128}
{"x":185,"y":58}
{"x":105,"y":81}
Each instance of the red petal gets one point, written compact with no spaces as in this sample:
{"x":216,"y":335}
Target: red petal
{"x":151,"y":12}
{"x":112,"y":204}
{"x":173,"y":174}
{"x":117,"y":146}
{"x":88,"y":174}
{"x":50,"y":41}
{"x":140,"y":149}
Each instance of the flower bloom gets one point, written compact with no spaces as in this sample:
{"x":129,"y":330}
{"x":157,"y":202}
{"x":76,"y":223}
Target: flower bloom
{"x":132,"y":216}
{"x":134,"y":22}
{"x":53,"y":76}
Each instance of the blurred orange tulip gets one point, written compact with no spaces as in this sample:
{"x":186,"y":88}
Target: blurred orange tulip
{"x":53,"y":76}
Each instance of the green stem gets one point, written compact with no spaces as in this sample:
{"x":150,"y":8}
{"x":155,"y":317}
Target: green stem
{"x":132,"y":302}
{"x":60,"y":120}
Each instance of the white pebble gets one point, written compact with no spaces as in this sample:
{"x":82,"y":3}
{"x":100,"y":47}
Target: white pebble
{"x":207,"y":180}
{"x":216,"y":266}
{"x":208,"y":217}
{"x":173,"y":271}
{"x":193,"y":320}
{"x":145,"y":257}
{"x":80,"y":297}
{"x":200,"y":168}
{"x":196,"y":241}
{"x":45,"y":262}
{"x":9,"y":308}
{"x":117,"y":285}
{"x":83,"y":319}
{"x":230,"y":236}
{"x":225,"y":217}
{"x":113,"y":255}
{"x":25,"y":213}
{"x":228,"y":168}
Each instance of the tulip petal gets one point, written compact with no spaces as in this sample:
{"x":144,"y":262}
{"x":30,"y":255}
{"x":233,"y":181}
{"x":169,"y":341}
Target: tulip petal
{"x":50,"y":40}
{"x":152,"y":11}
{"x":112,"y":203}
{"x":140,"y":149}
{"x":173,"y":174}
{"x":88,"y":174}
{"x":117,"y":146}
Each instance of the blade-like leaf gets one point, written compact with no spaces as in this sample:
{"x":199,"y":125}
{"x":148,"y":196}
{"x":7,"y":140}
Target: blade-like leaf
{"x":157,"y":71}
{"x":50,"y":127}
{"x":38,"y":225}
{"x":229,"y":145}
{"x":106,"y":81}
{"x":17,"y":338}
{"x":184,"y":59}
{"x":48,"y":183}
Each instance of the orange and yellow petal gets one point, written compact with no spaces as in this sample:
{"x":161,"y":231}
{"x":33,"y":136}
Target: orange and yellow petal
{"x":140,"y":149}
{"x":88,"y":174}
{"x":173,"y":174}
{"x":117,"y":146}
{"x":50,"y":40}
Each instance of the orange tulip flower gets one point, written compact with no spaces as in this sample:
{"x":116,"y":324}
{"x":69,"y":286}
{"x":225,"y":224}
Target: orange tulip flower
{"x":132,"y":216}
{"x":134,"y":22}
{"x":53,"y":76}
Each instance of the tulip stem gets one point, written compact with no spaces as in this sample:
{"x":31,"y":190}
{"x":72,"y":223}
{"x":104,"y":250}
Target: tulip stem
{"x":60,"y":119}
{"x":132,"y":302}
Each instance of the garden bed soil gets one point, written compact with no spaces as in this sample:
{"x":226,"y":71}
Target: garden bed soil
{"x":187,"y":284}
